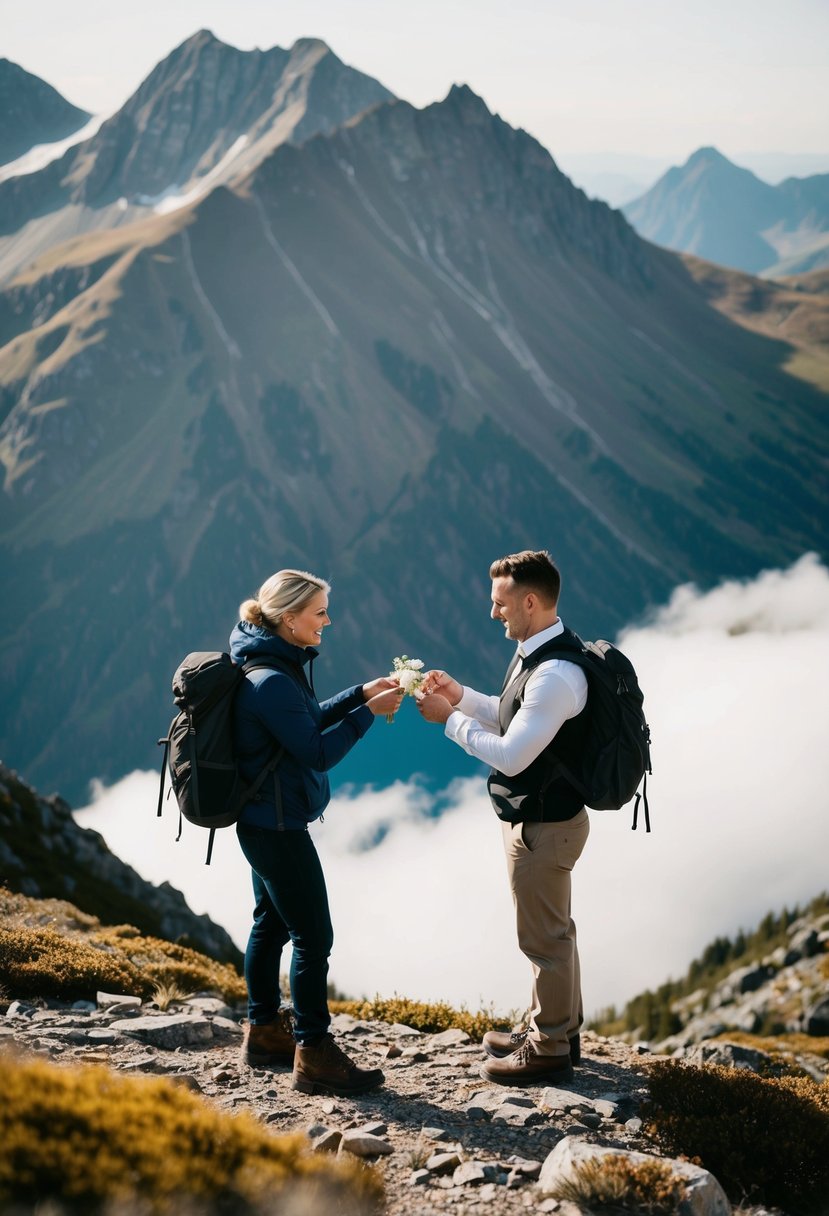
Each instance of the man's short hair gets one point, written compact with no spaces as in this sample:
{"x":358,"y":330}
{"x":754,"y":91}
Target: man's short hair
{"x":532,"y":570}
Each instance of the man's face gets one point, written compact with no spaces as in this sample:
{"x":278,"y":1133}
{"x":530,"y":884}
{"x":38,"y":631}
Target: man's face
{"x":509,"y":605}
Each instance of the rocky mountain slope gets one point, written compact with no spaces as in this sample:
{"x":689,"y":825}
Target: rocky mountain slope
{"x":32,"y":112}
{"x":439,"y":1137}
{"x":712,"y":208}
{"x":44,"y":853}
{"x":392,"y":352}
{"x":759,"y":1002}
{"x":205,"y":114}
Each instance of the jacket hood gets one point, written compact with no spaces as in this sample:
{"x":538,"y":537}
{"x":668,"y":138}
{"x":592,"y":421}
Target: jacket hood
{"x":253,"y":642}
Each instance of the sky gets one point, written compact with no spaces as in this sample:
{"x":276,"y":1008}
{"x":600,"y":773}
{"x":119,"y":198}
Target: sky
{"x":640,"y":77}
{"x":738,"y":809}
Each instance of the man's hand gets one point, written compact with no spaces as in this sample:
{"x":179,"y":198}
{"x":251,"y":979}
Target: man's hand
{"x":433,"y":707}
{"x":441,"y":682}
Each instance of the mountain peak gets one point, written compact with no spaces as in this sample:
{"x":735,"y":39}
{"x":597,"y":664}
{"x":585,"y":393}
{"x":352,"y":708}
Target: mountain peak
{"x":707,"y":153}
{"x":310,"y":44}
{"x":466,"y":102}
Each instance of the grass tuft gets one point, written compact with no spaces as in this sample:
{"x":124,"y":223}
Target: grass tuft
{"x":647,"y":1187}
{"x":421,"y":1015}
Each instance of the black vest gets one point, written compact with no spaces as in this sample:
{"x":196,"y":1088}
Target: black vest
{"x":531,"y":796}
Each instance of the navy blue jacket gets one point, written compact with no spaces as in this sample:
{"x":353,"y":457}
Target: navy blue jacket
{"x":274,"y":706}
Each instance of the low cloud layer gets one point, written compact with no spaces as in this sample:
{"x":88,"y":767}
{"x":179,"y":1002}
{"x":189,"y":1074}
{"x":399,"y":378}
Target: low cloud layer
{"x":739,"y":718}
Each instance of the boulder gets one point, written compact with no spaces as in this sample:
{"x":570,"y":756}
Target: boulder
{"x":703,"y":1197}
{"x":177,"y":1030}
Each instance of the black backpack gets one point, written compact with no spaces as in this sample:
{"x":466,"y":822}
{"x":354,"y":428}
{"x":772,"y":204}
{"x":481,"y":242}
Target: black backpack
{"x":615,"y":756}
{"x":198,"y":748}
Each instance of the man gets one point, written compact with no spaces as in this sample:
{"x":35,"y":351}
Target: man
{"x":544,"y":822}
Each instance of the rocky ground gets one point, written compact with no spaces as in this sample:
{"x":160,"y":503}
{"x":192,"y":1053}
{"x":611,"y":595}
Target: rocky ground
{"x":444,"y":1139}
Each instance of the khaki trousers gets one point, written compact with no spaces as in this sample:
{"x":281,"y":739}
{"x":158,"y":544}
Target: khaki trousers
{"x":540,"y":857}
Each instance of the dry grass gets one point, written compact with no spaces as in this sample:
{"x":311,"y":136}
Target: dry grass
{"x":766,"y":1139}
{"x":48,"y":948}
{"x":647,"y":1187}
{"x":421,"y":1015}
{"x":88,"y":1138}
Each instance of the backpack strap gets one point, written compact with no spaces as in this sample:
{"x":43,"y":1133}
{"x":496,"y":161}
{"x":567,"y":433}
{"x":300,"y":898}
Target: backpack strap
{"x":568,"y":646}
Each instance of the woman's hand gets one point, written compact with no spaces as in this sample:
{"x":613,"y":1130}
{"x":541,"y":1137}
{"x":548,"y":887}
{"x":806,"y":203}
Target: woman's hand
{"x":441,"y":682}
{"x":377,"y":686}
{"x":386,"y":702}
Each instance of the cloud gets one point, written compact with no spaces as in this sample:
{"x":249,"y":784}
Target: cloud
{"x":739,"y":719}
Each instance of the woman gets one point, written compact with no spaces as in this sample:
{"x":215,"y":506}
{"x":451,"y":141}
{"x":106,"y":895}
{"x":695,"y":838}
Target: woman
{"x":276,"y":707}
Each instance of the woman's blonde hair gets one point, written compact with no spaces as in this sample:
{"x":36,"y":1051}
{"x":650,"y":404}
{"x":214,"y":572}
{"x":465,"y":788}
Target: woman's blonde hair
{"x":285,"y":591}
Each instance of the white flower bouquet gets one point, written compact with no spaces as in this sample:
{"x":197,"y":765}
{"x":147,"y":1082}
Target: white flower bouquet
{"x":409,"y":675}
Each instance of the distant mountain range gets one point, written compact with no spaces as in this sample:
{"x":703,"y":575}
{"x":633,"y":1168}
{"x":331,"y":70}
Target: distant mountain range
{"x":32,"y":112}
{"x":205,"y":115}
{"x":389,"y":354}
{"x":712,"y":208}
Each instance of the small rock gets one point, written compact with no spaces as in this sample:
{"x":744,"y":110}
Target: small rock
{"x":222,"y":1075}
{"x":559,"y":1099}
{"x":469,"y":1173}
{"x":634,"y":1125}
{"x":487,"y":1193}
{"x":529,"y":1169}
{"x":328,"y":1142}
{"x":515,"y":1179}
{"x":84,"y":1006}
{"x":361,"y":1145}
{"x":591,"y":1119}
{"x":443,"y":1163}
{"x":453,"y":1037}
{"x":419,"y":1178}
{"x":414,"y":1055}
{"x":434,"y":1133}
{"x":373,"y":1129}
{"x":19,"y":1009}
{"x":477,"y":1113}
{"x":102,"y":1036}
{"x":329,"y":1107}
{"x":115,"y":1000}
{"x":210,"y":1004}
{"x":518,"y":1100}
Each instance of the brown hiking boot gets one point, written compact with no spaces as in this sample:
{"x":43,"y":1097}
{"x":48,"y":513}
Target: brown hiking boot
{"x":271,"y":1043}
{"x":526,"y":1067}
{"x":499,"y":1045}
{"x":325,"y":1068}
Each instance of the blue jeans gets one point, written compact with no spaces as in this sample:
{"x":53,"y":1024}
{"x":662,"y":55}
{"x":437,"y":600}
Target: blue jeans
{"x":291,"y":906}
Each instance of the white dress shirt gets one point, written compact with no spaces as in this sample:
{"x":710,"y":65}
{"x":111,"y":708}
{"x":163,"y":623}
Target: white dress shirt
{"x":555,"y":691}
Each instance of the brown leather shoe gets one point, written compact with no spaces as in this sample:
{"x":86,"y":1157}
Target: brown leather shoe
{"x":526,"y":1067}
{"x":324,"y":1068}
{"x":499,"y":1045}
{"x":271,"y":1043}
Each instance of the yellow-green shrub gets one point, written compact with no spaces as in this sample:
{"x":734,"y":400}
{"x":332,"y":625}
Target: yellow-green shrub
{"x":52,"y":962}
{"x":647,"y":1187}
{"x":85,"y":1136}
{"x":764,"y":1138}
{"x":430,"y":1018}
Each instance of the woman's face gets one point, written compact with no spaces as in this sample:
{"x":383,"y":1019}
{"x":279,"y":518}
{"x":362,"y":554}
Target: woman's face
{"x":305,"y":627}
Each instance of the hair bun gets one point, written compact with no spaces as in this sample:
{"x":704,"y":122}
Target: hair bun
{"x":251,"y":611}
